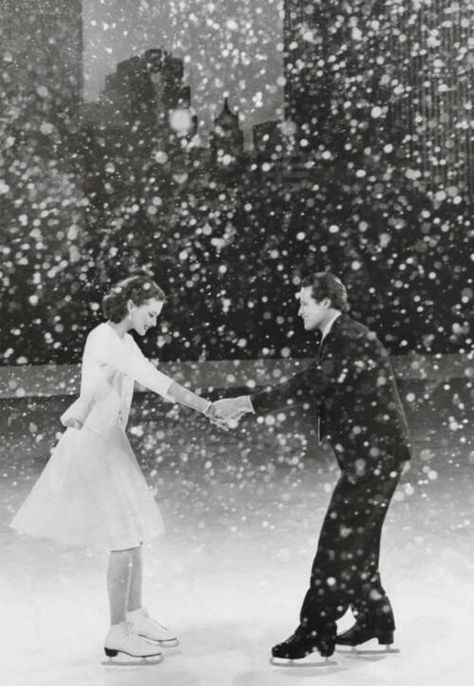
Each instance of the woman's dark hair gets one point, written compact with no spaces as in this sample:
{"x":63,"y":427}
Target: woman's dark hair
{"x":327,"y":285}
{"x":138,"y":288}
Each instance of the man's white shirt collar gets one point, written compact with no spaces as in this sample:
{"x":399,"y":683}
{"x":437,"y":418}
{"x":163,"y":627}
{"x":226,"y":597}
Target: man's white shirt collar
{"x":328,"y":326}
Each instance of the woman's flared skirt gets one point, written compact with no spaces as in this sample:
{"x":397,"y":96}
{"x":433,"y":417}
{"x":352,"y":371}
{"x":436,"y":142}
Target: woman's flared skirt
{"x":92,"y":494}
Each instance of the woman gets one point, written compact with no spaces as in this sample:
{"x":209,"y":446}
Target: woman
{"x":92,"y":492}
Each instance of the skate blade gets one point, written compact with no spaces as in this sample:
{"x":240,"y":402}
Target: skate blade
{"x":309,"y":661}
{"x":165,"y":643}
{"x":169,"y":643}
{"x":355,"y":651}
{"x":129,"y":661}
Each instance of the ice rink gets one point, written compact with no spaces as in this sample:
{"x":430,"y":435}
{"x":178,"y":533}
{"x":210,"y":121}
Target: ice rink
{"x":243,"y":511}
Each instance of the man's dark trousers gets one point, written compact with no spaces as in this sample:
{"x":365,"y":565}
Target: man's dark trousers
{"x":345,"y":570}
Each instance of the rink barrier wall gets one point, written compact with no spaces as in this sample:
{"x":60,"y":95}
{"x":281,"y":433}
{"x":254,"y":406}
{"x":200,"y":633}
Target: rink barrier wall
{"x":56,"y":380}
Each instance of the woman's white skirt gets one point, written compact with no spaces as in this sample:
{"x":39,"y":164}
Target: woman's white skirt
{"x":91,"y":493}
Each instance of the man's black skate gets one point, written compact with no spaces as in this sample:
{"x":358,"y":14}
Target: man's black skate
{"x":303,"y":643}
{"x":359,"y":633}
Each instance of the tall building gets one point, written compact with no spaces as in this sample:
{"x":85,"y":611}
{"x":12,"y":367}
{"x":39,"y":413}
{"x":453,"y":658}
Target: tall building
{"x":269,"y":151}
{"x":42,"y":69}
{"x":430,"y":74}
{"x":314,"y":37}
{"x":142,"y":127}
{"x":41,"y":195}
{"x":268,"y":140}
{"x":146,"y":93}
{"x":353,"y":69}
{"x":227,"y":140}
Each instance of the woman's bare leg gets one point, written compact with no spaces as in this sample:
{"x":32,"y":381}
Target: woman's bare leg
{"x":140,"y":622}
{"x":121,"y":638}
{"x":119,"y":574}
{"x":134,"y":601}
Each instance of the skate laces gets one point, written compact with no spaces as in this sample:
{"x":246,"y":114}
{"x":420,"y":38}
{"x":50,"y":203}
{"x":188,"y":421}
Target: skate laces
{"x":155,"y":622}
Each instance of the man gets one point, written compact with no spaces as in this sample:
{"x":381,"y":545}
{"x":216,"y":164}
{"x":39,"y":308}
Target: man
{"x":361,"y":415}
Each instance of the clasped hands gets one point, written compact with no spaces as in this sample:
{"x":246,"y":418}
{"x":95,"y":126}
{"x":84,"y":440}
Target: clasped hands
{"x":226,"y":413}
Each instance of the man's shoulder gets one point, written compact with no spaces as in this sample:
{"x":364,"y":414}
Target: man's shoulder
{"x":347,"y":327}
{"x":353,"y":332}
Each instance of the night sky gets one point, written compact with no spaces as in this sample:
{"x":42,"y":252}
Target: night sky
{"x":229,"y":48}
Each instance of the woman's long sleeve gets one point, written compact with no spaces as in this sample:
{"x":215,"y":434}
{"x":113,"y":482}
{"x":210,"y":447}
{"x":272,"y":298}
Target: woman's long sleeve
{"x":145,"y":373}
{"x":128,"y":359}
{"x":106,"y":359}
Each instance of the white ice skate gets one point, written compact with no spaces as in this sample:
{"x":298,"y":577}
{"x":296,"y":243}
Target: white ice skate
{"x":146,"y":627}
{"x":122,"y":639}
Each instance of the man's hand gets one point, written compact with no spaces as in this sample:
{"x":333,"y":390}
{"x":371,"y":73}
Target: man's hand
{"x":230,"y":410}
{"x":214,"y":419}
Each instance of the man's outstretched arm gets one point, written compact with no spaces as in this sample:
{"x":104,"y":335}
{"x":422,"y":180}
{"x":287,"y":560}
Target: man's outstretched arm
{"x":303,"y":387}
{"x":307,"y":386}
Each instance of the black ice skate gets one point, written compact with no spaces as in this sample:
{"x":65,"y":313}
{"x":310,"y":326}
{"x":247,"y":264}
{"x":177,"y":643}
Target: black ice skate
{"x":359,"y":634}
{"x":301,"y":644}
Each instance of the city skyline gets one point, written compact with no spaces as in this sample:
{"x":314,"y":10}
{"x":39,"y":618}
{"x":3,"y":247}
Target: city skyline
{"x":227,"y":51}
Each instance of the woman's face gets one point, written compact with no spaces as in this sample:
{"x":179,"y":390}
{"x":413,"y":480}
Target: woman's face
{"x":144,"y":316}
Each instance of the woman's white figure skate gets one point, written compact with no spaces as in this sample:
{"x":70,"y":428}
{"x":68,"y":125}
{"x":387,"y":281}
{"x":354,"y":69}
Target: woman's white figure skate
{"x":143,"y":625}
{"x":122,"y":639}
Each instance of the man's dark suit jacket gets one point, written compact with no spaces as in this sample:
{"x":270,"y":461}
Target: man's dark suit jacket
{"x":353,"y":386}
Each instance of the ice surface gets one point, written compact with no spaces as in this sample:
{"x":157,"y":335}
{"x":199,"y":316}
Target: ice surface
{"x":232,"y":569}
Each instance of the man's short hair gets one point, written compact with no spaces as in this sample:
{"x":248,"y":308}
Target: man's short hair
{"x":327,"y":285}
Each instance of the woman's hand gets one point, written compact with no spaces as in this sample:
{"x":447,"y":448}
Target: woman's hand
{"x":217,"y":421}
{"x":230,"y":409}
{"x":226,"y":413}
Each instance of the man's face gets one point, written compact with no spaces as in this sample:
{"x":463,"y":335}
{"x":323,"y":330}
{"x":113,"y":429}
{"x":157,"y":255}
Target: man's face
{"x":314,"y":314}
